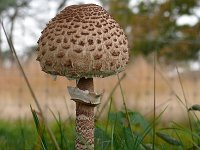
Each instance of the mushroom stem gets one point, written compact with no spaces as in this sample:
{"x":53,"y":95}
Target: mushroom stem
{"x":85,"y":118}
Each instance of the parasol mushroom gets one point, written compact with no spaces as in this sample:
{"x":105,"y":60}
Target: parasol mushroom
{"x":82,"y":42}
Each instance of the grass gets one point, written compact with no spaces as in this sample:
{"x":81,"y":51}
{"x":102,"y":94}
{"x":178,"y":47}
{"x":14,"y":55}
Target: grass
{"x":22,"y":134}
{"x":25,"y":136}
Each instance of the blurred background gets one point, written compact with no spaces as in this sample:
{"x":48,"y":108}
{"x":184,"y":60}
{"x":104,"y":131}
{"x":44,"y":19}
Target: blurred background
{"x":166,"y":30}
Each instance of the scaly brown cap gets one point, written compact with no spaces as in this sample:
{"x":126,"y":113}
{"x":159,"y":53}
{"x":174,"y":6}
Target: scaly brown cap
{"x":83,"y":41}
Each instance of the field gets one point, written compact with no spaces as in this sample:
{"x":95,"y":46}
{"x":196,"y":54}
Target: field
{"x":138,"y":90}
{"x":137,"y":86}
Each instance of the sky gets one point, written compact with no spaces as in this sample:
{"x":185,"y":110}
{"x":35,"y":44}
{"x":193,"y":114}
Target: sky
{"x":27,"y":30}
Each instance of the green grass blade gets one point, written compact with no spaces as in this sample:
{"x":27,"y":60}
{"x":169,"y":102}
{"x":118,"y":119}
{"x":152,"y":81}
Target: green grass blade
{"x":63,"y":140}
{"x":179,"y":138}
{"x":194,"y":107}
{"x":112,"y":133}
{"x":148,"y":129}
{"x":40,"y":131}
{"x":112,"y":136}
{"x":168,"y":139}
{"x":22,"y":133}
{"x":102,"y":139}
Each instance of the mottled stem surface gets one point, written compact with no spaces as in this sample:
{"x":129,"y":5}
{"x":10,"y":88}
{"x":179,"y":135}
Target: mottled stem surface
{"x":85,"y":119}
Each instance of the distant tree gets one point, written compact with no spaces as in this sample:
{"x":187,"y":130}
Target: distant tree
{"x":10,"y":9}
{"x":4,"y":4}
{"x":151,"y":26}
{"x":164,"y":35}
{"x":122,"y":13}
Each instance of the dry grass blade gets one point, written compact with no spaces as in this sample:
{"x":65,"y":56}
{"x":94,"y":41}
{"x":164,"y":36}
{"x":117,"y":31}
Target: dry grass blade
{"x":157,"y":107}
{"x":108,"y":114}
{"x":154,"y":99}
{"x":109,"y":97}
{"x":186,"y":104}
{"x":67,"y":108}
{"x":29,"y":87}
{"x":125,"y":106}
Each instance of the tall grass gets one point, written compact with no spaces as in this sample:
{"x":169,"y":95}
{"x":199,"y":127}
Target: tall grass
{"x":118,"y":135}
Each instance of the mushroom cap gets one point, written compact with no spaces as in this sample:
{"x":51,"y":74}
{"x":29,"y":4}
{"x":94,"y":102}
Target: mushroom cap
{"x":83,"y":41}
